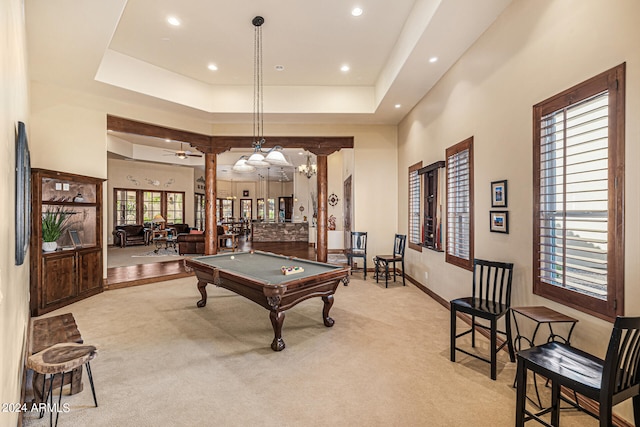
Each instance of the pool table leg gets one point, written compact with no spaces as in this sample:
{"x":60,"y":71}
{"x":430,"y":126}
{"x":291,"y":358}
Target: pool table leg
{"x":202,"y":287}
{"x":277,"y":319}
{"x":328,"y":302}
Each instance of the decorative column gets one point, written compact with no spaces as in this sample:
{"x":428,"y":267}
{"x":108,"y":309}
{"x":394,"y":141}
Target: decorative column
{"x":210,"y":214}
{"x":321,"y":253}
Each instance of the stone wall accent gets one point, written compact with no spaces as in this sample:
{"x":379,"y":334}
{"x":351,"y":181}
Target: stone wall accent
{"x":280,"y":231}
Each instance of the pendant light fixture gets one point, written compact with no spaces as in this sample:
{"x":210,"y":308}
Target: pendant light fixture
{"x":259,"y":158}
{"x":309,"y":169}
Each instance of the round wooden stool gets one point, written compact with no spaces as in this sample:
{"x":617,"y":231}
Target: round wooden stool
{"x":60,"y":359}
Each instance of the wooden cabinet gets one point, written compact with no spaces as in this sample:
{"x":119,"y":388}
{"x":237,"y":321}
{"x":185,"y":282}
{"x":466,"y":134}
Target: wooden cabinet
{"x":432,"y":224}
{"x":74,"y":270}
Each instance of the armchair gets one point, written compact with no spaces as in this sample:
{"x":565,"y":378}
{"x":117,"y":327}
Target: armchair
{"x":131,"y":234}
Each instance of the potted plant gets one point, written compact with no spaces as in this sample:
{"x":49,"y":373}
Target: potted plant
{"x":54,"y":223}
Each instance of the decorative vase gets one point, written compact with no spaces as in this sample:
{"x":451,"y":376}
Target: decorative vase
{"x":49,"y":246}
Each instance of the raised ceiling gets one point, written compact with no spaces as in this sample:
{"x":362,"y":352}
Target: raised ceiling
{"x":128,"y":51}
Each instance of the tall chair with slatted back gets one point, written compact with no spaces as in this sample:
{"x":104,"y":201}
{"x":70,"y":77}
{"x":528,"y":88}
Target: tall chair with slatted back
{"x":382,"y":262}
{"x":608,"y":382}
{"x":358,"y":249}
{"x":490,"y":300}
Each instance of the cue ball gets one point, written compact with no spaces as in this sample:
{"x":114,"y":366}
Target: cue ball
{"x":232,"y":257}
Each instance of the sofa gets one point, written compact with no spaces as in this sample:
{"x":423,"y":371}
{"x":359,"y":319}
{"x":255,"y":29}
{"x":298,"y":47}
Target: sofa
{"x":190,"y":243}
{"x":131,"y":234}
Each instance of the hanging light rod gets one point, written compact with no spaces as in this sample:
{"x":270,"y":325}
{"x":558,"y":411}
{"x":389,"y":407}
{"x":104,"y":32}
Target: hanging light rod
{"x":259,"y":158}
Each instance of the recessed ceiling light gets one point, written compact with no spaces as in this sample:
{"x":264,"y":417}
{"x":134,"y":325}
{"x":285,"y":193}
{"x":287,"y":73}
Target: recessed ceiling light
{"x":279,"y":67}
{"x":173,"y":21}
{"x":356,"y":11}
{"x":433,"y":59}
{"x":398,"y":105}
{"x":212,"y":67}
{"x":344,"y":68}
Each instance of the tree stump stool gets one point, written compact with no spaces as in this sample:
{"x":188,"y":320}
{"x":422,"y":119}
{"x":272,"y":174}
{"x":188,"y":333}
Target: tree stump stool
{"x":60,"y":359}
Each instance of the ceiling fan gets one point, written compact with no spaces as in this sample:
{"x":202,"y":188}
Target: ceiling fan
{"x":182,"y":154}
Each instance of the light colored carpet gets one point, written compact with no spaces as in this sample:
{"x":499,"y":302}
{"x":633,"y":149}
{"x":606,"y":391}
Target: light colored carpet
{"x":164,"y":362}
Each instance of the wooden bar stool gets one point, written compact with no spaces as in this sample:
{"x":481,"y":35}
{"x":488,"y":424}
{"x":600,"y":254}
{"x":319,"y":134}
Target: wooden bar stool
{"x":60,"y":359}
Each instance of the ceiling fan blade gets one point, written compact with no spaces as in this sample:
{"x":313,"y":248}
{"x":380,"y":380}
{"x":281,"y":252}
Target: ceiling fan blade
{"x":194,"y":155}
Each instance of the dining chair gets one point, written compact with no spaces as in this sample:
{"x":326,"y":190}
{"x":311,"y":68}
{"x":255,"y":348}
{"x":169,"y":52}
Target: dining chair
{"x":382,"y":262}
{"x":357,"y":249}
{"x":608,"y":382}
{"x":490,"y":300}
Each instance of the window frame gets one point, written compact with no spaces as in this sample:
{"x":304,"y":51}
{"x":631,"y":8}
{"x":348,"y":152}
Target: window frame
{"x":613,"y":81}
{"x":451,"y":258}
{"x":139,"y":193}
{"x":414,"y":174}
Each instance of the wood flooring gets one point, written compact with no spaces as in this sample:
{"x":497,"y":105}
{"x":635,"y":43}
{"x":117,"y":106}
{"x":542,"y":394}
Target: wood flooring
{"x":141,"y":274}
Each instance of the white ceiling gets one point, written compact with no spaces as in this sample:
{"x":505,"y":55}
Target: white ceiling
{"x":126,"y":51}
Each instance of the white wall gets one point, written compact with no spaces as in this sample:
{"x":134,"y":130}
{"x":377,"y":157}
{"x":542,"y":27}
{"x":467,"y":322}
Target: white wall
{"x":534,"y":50}
{"x":14,"y":280}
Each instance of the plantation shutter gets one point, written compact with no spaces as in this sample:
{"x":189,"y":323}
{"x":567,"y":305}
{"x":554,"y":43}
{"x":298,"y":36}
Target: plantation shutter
{"x":460,"y":204}
{"x":415,"y":237}
{"x":574,"y":197}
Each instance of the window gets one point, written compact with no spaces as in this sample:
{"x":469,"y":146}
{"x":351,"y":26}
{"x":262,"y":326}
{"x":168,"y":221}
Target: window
{"x":260,"y":211}
{"x":126,"y":207}
{"x":246,"y":208}
{"x":579,"y":192}
{"x":415,"y":236}
{"x":175,"y":208}
{"x":140,"y":206}
{"x":225,"y":209}
{"x":271,"y":209}
{"x":460,"y":204}
{"x":152,"y":204}
{"x":199,"y":210}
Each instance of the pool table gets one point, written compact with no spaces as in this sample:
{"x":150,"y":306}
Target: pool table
{"x":257,"y":276}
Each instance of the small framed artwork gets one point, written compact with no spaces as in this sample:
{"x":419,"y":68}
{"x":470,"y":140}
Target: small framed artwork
{"x":75,"y":239}
{"x":499,"y":221}
{"x":499,"y":194}
{"x":245,"y":193}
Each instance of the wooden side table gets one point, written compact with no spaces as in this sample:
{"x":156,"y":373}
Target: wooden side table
{"x":541,"y":316}
{"x":47,"y":332}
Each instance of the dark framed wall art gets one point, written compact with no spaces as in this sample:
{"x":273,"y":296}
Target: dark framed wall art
{"x":499,"y":194}
{"x":499,"y":221}
{"x":23,"y":193}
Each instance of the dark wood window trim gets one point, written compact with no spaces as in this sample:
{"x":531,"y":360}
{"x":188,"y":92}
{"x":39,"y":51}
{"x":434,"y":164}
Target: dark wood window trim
{"x":415,"y":241}
{"x":612,"y":81}
{"x":140,"y":203}
{"x":460,"y":240}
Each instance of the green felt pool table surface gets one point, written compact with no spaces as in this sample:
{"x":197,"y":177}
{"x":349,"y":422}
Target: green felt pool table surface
{"x":265,"y":267}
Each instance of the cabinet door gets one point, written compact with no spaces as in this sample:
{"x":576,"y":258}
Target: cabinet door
{"x":58,"y":278}
{"x":89,"y":270}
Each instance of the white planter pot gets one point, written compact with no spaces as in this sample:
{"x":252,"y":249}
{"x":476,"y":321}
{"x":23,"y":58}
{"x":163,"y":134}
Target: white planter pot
{"x":49,"y":246}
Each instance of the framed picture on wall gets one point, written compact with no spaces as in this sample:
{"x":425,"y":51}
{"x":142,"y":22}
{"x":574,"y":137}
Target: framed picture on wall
{"x":499,"y":221}
{"x":245,"y":193}
{"x":499,"y":194}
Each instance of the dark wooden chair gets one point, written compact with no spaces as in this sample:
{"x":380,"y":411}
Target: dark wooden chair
{"x":490,"y":300}
{"x":381,"y":262}
{"x":358,"y":249}
{"x":608,"y":382}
